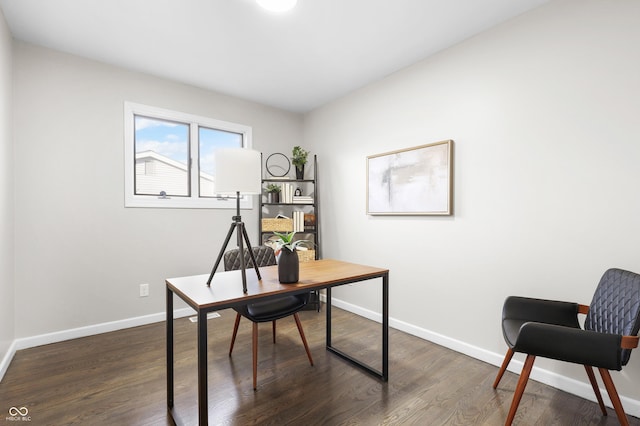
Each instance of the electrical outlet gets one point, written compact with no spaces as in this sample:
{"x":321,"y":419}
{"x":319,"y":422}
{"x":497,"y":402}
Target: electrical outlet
{"x":144,"y":290}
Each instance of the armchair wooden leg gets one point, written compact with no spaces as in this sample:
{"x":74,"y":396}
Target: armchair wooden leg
{"x":273,"y":326}
{"x":596,"y":389}
{"x":613,"y":395}
{"x":522,"y":383}
{"x":304,"y":339}
{"x":235,"y":332}
{"x":503,"y":368}
{"x":255,"y":355}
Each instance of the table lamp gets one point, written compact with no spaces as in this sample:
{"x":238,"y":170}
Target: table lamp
{"x":237,"y":171}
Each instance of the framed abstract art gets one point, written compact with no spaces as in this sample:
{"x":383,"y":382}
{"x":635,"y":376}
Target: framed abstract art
{"x":411,"y":181}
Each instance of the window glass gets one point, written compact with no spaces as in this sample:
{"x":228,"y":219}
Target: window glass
{"x":162,"y":157}
{"x":210,"y":140}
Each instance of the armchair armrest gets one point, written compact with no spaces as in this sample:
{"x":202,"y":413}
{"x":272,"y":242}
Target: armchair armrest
{"x":575,"y":345}
{"x":629,"y":342}
{"x":540,"y":310}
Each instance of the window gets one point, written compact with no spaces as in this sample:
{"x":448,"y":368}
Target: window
{"x":169,"y":158}
{"x":162,"y":157}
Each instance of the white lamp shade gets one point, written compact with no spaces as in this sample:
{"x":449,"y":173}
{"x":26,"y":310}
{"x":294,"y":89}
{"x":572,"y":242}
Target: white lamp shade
{"x":237,"y":170}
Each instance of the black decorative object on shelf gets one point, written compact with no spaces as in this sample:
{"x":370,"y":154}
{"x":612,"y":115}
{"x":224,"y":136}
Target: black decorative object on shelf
{"x":278,"y":165}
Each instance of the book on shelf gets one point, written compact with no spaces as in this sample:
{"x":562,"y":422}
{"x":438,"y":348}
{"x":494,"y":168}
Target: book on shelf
{"x":302,"y":199}
{"x":298,"y":221}
{"x":287,"y":192}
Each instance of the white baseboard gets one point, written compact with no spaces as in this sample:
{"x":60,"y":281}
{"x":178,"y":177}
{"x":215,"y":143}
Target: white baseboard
{"x":90,"y":330}
{"x":6,"y":360}
{"x":575,"y":387}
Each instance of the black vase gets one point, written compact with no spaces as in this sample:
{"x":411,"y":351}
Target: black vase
{"x":300,"y":172}
{"x":288,"y":266}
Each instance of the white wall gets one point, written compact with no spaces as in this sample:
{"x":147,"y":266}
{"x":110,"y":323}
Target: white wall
{"x":7,"y":310}
{"x":544,"y":114}
{"x":80,"y":254}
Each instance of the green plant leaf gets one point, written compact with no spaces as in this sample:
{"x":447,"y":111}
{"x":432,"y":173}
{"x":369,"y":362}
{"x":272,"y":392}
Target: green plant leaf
{"x":299,"y":156}
{"x":285,"y":240}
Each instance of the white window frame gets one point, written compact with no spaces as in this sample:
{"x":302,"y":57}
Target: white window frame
{"x":194,"y":201}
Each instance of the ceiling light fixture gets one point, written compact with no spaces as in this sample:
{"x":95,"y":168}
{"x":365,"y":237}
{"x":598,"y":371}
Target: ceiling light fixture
{"x":277,"y":6}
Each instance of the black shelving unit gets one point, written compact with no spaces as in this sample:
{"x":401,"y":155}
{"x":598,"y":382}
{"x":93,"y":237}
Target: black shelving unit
{"x":271,"y":210}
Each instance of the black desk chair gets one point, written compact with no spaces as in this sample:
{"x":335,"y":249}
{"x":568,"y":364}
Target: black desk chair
{"x":268,"y":311}
{"x":550,"y":329}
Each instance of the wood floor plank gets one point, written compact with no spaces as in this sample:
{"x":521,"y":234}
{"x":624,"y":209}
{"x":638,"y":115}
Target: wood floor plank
{"x":119,"y":378}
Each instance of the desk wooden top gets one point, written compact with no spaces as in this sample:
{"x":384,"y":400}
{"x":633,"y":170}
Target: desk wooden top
{"x":226,"y":287}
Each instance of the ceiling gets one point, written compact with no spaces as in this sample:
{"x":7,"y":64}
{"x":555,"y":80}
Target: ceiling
{"x":297,"y":61}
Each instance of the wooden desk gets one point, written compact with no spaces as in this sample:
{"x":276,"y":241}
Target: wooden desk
{"x":226,"y":292}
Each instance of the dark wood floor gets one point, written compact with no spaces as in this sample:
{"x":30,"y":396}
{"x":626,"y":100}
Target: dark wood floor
{"x":119,"y":379}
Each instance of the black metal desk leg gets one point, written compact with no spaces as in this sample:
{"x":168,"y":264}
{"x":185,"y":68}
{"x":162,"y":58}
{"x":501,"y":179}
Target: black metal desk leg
{"x":169,"y":349}
{"x":203,"y":400}
{"x":385,"y":327}
{"x":328,"y":309}
{"x":384,"y":373}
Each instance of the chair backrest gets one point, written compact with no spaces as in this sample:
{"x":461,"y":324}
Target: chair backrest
{"x":264,"y":257}
{"x":615,"y":308}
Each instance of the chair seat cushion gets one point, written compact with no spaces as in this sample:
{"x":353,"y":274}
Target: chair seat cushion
{"x":569,"y":344}
{"x":272,"y":310}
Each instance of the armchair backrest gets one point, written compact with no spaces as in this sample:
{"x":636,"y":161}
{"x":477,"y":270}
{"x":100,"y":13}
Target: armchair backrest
{"x":615,"y":308}
{"x":264,"y":257}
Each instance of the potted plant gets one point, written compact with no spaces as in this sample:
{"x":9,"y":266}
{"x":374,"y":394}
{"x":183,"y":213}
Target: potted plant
{"x":273,"y":193}
{"x":288,"y":263}
{"x":299,"y":159}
